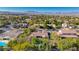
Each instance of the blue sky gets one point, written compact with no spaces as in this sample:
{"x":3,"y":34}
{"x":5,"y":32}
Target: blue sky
{"x":40,"y":9}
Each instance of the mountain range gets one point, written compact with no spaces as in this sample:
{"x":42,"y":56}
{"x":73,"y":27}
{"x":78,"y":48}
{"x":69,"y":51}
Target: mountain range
{"x":38,"y":13}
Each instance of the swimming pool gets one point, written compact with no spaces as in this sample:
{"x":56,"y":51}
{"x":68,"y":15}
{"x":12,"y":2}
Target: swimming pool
{"x":3,"y":44}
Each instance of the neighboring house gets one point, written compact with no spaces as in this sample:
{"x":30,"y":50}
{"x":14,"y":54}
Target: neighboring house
{"x":64,"y":25}
{"x":27,"y":19}
{"x":7,"y":28}
{"x":77,"y":30}
{"x":66,"y":32}
{"x":41,"y":33}
{"x":24,"y":25}
{"x":11,"y":34}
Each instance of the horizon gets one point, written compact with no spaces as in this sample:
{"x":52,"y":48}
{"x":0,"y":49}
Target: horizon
{"x":40,"y":9}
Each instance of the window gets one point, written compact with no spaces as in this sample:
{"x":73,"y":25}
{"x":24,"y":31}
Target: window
{"x":39,"y":36}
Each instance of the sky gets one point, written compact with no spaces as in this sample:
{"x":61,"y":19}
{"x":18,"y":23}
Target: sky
{"x":40,"y":9}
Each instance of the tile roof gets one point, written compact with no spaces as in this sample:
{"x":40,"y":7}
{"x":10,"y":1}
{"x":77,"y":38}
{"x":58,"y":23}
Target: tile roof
{"x":66,"y":32}
{"x":42,"y":33}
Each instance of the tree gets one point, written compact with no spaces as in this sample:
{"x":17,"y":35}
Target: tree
{"x":19,"y":46}
{"x":40,"y":44}
{"x":66,"y":43}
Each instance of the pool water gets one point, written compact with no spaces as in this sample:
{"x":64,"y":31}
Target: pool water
{"x":3,"y":44}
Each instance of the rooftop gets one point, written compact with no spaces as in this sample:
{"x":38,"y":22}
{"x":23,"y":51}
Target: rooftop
{"x":66,"y":32}
{"x":40,"y":33}
{"x":11,"y":34}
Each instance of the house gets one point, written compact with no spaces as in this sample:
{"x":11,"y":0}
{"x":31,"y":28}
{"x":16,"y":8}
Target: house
{"x":6,"y":28}
{"x":23,"y":25}
{"x":67,"y":32}
{"x":11,"y":34}
{"x":77,"y":30}
{"x":64,"y":25}
{"x":41,"y":33}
